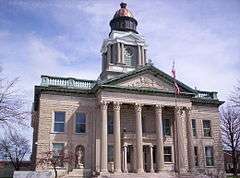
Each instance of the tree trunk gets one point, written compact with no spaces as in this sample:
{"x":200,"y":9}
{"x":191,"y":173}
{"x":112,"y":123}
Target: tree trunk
{"x":234,"y":162}
{"x":55,"y":171}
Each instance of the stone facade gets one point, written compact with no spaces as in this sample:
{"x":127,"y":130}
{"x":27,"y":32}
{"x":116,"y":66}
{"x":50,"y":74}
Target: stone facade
{"x":130,"y":122}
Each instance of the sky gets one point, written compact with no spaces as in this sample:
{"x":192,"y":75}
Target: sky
{"x":64,"y":37}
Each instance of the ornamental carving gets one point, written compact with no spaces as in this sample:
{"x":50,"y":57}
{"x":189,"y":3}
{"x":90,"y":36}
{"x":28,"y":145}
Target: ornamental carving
{"x":145,"y":82}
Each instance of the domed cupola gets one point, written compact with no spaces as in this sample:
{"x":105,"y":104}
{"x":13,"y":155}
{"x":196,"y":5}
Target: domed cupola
{"x":123,"y":20}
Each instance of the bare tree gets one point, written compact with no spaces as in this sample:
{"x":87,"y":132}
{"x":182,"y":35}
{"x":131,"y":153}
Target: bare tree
{"x":57,"y":158}
{"x":235,"y":97}
{"x":11,"y":103}
{"x":15,"y":148}
{"x":230,"y":127}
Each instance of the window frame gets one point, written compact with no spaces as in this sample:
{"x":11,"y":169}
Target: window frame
{"x":210,"y":124}
{"x":108,"y":152}
{"x":194,"y":129}
{"x":205,"y":156}
{"x":110,"y":118}
{"x":164,"y":126}
{"x":75,"y":125}
{"x":52,"y":148}
{"x":53,"y":122}
{"x":168,"y":154}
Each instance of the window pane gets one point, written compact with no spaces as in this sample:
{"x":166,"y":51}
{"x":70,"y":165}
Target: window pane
{"x":110,"y":153}
{"x":57,"y":152}
{"x":206,"y":123}
{"x":167,"y":158}
{"x":209,"y":155}
{"x":194,"y":127}
{"x":59,"y":116}
{"x":167,"y":154}
{"x":167,"y":150}
{"x":58,"y":127}
{"x":80,"y":123}
{"x":110,"y":125}
{"x":166,"y":127}
{"x":207,"y":128}
{"x":80,"y":118}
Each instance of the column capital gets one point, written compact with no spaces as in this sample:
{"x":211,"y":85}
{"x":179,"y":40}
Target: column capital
{"x":138,"y":107}
{"x":158,"y":107}
{"x":104,"y":104}
{"x":188,"y":109}
{"x":116,"y":105}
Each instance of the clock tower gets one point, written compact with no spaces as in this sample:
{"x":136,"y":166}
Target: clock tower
{"x":125,"y":49}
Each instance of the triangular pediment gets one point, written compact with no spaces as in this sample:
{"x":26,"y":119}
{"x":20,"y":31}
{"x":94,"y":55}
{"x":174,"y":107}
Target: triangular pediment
{"x":148,"y":77}
{"x":147,"y":81}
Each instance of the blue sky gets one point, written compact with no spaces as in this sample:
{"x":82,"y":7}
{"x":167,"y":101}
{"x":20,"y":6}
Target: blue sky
{"x":63,"y":38}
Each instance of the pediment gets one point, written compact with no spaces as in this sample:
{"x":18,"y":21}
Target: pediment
{"x":148,"y":77}
{"x":147,"y":81}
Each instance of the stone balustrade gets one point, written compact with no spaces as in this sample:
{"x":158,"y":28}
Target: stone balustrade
{"x":67,"y":82}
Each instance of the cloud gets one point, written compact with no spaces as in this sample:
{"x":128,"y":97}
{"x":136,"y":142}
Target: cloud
{"x":65,"y":39}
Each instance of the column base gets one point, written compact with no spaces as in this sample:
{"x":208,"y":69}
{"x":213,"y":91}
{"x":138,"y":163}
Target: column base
{"x":118,"y":171}
{"x":104,"y":171}
{"x":139,"y":171}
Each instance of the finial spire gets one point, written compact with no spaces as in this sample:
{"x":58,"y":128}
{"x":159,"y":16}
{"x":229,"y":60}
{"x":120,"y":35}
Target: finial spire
{"x":123,"y":5}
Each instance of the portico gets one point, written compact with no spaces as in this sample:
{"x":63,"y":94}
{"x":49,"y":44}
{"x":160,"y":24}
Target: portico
{"x":144,"y":145}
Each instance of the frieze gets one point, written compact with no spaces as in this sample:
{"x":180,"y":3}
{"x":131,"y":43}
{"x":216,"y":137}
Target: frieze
{"x":146,"y":82}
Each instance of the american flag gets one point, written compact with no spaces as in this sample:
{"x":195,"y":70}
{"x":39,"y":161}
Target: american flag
{"x":177,"y":89}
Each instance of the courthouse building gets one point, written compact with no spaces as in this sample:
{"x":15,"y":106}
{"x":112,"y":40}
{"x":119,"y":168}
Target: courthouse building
{"x":129,"y":121}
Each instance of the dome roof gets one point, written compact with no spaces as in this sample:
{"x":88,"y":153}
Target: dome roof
{"x":123,"y":12}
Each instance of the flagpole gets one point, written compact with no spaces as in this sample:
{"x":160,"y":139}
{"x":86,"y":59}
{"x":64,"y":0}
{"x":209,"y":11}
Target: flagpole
{"x":175,"y":102}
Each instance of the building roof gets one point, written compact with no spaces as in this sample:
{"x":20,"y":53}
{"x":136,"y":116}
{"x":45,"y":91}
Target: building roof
{"x":123,"y":11}
{"x":82,"y":87}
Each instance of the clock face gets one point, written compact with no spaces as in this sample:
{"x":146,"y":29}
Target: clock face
{"x":128,"y":52}
{"x":130,"y":55}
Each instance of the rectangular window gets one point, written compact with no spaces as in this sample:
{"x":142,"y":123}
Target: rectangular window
{"x":194,"y":130}
{"x":154,"y":153}
{"x":129,"y":153}
{"x":110,"y":124}
{"x":59,"y":121}
{"x":80,"y":123}
{"x":196,"y":155}
{"x":209,"y":156}
{"x":207,"y":128}
{"x":110,"y":153}
{"x":167,"y":154}
{"x":167,"y":127}
{"x":58,"y":153}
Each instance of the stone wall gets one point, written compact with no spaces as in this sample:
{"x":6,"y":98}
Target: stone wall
{"x":70,"y":105}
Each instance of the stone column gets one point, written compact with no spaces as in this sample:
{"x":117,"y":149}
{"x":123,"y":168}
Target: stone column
{"x":159,"y":138}
{"x":122,"y":53}
{"x":117,"y":138}
{"x":139,"y":144}
{"x":104,"y":145}
{"x":139,"y":56}
{"x":118,"y":53}
{"x":142,"y":55}
{"x":191,"y":161}
{"x":151,"y":158}
{"x":179,"y":140}
{"x":125,"y":169}
{"x":109,"y":55}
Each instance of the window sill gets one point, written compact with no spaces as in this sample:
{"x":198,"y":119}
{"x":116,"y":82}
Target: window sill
{"x":168,"y":162}
{"x":80,"y":133}
{"x":210,"y":166}
{"x":57,"y":132}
